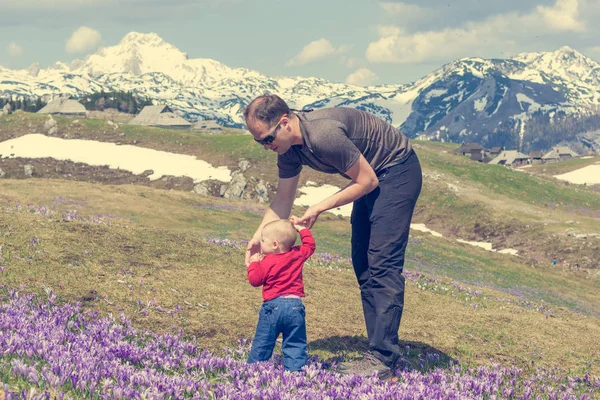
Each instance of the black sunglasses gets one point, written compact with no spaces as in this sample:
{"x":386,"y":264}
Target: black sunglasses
{"x":267,"y":140}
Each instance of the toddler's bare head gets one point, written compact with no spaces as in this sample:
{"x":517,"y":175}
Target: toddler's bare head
{"x":282,"y":231}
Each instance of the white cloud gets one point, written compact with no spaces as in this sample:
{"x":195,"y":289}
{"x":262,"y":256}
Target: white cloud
{"x":562,"y":16}
{"x":316,"y":51}
{"x":502,"y":31}
{"x":14,"y":50}
{"x":83,"y":39}
{"x":362,"y":77}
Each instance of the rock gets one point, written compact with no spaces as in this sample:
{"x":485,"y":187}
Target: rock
{"x":75,"y":122}
{"x":2,"y":173}
{"x":6,"y":110}
{"x":109,"y":122}
{"x":244,"y":165}
{"x":453,"y":188}
{"x":49,"y":123}
{"x":262,"y":192}
{"x":28,"y":169}
{"x":236,"y":187}
{"x":201,"y":189}
{"x":50,"y":126}
{"x":434,"y":176}
{"x":147,"y":172}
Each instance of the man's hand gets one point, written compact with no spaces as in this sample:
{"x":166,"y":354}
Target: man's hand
{"x":308,"y":219}
{"x":253,"y":249}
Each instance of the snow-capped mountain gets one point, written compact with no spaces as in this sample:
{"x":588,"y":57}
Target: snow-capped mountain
{"x":468,"y":99}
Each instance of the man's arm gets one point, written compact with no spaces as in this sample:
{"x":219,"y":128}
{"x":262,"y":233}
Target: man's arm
{"x":364,"y":180}
{"x":282,"y":203}
{"x":280,"y":208}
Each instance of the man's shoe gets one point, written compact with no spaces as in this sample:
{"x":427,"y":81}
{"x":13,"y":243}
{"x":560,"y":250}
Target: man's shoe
{"x":366,"y":366}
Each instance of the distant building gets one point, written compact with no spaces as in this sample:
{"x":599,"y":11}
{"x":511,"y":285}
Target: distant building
{"x":207,"y":125}
{"x":495,"y":151}
{"x":64,"y":106}
{"x":161,"y":117}
{"x":511,"y":158}
{"x":467,"y":148}
{"x":559,"y":153}
{"x":480,"y":156}
{"x":536,"y":157}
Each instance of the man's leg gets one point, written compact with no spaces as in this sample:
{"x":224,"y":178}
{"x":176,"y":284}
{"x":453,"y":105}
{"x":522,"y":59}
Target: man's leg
{"x":393,"y":205}
{"x":266,"y":334}
{"x":293,"y":326}
{"x":361,"y":236}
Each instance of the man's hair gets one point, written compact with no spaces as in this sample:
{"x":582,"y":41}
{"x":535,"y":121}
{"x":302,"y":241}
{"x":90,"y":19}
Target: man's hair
{"x":267,"y":108}
{"x":281,"y":230}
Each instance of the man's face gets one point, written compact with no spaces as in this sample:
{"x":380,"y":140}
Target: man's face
{"x":274,"y":137}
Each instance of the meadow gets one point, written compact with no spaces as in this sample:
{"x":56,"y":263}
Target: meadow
{"x":133,"y":291}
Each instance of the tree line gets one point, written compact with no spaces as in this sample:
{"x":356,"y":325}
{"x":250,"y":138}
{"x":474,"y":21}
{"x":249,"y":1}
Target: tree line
{"x":543,"y":132}
{"x":126,"y":102}
{"x":29,"y":104}
{"x":540,"y":133}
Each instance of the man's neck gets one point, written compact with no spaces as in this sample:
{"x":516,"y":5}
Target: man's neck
{"x":297,"y":132}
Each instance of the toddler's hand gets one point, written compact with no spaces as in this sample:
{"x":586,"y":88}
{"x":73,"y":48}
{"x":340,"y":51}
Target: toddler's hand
{"x":255,"y":257}
{"x":298,"y":225}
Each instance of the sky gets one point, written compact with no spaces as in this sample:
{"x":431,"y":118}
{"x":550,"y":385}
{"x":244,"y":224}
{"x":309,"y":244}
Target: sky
{"x":360,"y":42}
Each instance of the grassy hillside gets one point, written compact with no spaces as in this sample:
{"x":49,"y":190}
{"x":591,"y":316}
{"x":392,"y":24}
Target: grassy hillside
{"x":116,"y":252}
{"x":170,"y":259}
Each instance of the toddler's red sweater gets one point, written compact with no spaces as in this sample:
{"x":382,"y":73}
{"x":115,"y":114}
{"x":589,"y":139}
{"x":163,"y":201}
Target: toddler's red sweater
{"x":281,"y":274}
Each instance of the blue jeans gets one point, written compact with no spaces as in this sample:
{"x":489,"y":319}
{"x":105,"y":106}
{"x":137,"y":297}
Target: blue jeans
{"x":281,"y":315}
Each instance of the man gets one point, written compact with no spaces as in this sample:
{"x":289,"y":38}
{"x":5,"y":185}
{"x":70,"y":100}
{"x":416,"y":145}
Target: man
{"x":385,"y":183}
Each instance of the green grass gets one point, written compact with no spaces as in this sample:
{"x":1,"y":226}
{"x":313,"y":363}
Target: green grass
{"x":473,"y":266}
{"x":506,"y":182}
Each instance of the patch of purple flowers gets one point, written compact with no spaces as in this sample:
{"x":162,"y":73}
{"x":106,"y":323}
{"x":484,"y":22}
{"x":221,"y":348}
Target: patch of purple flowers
{"x":236,"y":244}
{"x":47,"y":348}
{"x":67,"y":216}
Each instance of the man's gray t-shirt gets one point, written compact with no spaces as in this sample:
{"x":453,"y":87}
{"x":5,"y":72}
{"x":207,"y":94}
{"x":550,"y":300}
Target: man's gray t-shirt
{"x":334,"y":138}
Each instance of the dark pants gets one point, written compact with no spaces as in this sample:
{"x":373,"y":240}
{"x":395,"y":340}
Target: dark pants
{"x":380,"y":226}
{"x":281,"y":315}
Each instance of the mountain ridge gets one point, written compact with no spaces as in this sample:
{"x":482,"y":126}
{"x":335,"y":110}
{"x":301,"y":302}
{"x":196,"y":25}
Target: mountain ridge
{"x":467,"y":99}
